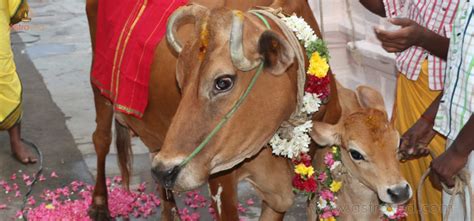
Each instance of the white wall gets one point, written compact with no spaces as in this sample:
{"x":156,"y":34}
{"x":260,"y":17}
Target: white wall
{"x":367,"y":64}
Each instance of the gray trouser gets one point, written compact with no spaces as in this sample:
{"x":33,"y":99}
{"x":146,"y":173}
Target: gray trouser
{"x":458,"y":213}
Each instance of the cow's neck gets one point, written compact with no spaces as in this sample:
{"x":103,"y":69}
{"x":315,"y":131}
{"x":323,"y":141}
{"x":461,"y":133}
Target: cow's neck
{"x":357,"y":201}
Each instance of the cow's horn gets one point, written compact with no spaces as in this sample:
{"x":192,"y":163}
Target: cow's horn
{"x":236,"y":44}
{"x":178,"y":16}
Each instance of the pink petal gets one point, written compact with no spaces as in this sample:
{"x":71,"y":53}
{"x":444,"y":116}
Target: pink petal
{"x":31,"y":201}
{"x":54,"y":175}
{"x":250,"y":202}
{"x":26,"y":177}
{"x":3,"y":206}
{"x":241,"y":209}
{"x":19,"y":214}
{"x":13,"y":176}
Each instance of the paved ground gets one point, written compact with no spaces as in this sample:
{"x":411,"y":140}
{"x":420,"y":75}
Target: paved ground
{"x":54,"y":61}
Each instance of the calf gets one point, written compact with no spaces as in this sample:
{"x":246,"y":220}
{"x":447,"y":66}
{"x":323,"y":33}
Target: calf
{"x":369,"y":145}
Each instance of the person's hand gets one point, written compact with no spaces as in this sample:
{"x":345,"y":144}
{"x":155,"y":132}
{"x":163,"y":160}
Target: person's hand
{"x":414,"y":142}
{"x":410,"y":34}
{"x":447,"y":165}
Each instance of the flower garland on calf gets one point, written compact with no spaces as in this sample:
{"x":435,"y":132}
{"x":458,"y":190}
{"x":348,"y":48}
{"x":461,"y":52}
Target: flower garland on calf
{"x":393,"y":212}
{"x":295,"y":147}
{"x":329,"y":186}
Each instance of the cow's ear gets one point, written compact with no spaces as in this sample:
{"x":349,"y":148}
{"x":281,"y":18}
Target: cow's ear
{"x":370,"y":98}
{"x":276,"y":52}
{"x":325,"y":134}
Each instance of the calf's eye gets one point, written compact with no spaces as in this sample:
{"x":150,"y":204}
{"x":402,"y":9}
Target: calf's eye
{"x":224,"y":83}
{"x":356,"y":155}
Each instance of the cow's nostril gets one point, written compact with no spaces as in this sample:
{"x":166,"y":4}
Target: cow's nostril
{"x":166,"y":177}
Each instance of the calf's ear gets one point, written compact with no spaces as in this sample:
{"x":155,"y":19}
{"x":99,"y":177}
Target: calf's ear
{"x":370,"y":98}
{"x":325,"y":134}
{"x":276,"y":52}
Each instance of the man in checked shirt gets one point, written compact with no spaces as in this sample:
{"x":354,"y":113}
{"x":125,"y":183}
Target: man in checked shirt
{"x":452,"y":114}
{"x":421,"y":46}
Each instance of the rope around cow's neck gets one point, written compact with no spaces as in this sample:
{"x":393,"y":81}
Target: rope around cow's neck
{"x":275,"y":15}
{"x":462,"y":180}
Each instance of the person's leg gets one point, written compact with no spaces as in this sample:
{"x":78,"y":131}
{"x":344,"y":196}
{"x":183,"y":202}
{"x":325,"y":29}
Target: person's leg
{"x":10,"y":90}
{"x":17,"y":147}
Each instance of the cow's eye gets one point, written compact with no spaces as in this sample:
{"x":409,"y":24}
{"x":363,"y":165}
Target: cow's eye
{"x":224,"y":83}
{"x":356,"y":155}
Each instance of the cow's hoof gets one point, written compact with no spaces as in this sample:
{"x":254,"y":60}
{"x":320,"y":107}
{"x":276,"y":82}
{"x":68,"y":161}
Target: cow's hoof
{"x":99,"y":213}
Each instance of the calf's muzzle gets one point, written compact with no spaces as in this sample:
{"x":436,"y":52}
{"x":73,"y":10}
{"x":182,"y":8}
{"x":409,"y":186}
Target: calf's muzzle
{"x":399,"y":193}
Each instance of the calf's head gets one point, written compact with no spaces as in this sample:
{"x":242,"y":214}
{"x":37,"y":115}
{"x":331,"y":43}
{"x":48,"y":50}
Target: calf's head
{"x":369,"y":145}
{"x":213,"y":71}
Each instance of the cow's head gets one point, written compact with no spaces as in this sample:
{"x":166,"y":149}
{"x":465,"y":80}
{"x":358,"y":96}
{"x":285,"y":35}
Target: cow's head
{"x":213,"y":71}
{"x":369,"y":145}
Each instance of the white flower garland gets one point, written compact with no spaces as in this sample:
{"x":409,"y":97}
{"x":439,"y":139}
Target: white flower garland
{"x":303,"y":31}
{"x":298,"y":144}
{"x":300,"y":141}
{"x":311,"y":103}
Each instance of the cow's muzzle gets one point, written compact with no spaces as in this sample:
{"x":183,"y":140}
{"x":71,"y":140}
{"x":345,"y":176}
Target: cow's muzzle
{"x":399,"y":193}
{"x":166,"y":177}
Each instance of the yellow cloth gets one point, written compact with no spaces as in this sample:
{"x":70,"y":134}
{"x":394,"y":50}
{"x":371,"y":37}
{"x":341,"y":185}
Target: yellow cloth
{"x":412,"y":99}
{"x":12,"y":6}
{"x":10,"y":85}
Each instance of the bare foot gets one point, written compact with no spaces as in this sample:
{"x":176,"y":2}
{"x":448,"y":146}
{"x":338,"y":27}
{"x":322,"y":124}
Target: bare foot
{"x":18,"y":149}
{"x":22,"y":154}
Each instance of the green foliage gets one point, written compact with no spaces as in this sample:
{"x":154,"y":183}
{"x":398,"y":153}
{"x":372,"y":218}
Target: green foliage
{"x":319,"y":46}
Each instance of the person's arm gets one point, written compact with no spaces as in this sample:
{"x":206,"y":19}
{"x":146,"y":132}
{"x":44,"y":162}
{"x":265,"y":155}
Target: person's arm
{"x":412,"y":34}
{"x":456,"y":156}
{"x":375,"y":6}
{"x":415,"y":140}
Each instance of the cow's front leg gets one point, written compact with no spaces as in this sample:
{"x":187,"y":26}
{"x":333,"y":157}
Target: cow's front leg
{"x":102,"y":139}
{"x":271,"y":177}
{"x":223,"y":190}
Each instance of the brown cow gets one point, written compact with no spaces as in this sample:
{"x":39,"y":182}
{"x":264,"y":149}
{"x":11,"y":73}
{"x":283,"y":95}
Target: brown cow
{"x":210,"y":77}
{"x":164,"y":97}
{"x":369,"y":145}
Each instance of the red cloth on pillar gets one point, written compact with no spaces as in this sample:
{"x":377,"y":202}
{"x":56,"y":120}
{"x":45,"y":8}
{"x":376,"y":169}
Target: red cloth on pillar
{"x":128,"y":32}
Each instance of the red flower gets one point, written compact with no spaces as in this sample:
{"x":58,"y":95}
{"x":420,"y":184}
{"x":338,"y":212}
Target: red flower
{"x":304,"y":159}
{"x":309,"y":185}
{"x":318,"y":86}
